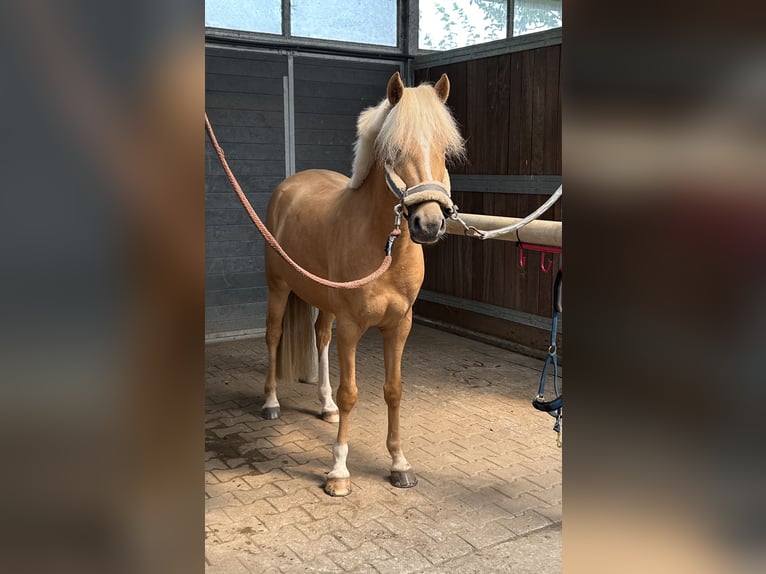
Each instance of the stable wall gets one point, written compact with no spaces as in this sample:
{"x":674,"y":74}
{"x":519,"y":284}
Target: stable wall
{"x":273,"y":114}
{"x":278,"y":112}
{"x":507,"y":100}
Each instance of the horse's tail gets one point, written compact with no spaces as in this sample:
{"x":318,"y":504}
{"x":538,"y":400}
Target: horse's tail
{"x":296,"y":356}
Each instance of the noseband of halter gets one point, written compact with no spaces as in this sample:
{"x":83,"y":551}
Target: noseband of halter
{"x":424,"y":191}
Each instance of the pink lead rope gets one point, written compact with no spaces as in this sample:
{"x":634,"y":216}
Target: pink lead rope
{"x":385,"y":264}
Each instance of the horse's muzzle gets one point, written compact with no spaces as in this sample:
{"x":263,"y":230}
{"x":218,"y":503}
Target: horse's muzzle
{"x":427,"y":223}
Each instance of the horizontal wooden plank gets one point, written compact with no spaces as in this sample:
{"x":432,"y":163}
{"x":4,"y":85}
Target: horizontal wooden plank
{"x":226,"y":217}
{"x":228,"y":117}
{"x":231,"y":232}
{"x":333,"y":105}
{"x":339,"y":90}
{"x":233,"y":248}
{"x":222,"y":51}
{"x":215,"y":82}
{"x":248,"y":167}
{"x":234,"y":335}
{"x":218,"y":281}
{"x":359,"y":75}
{"x":251,"y":67}
{"x":255,"y":185}
{"x":227,"y":134}
{"x":325,"y":121}
{"x":330,"y":153}
{"x":244,"y":101}
{"x":235,"y":317}
{"x":489,"y":310}
{"x":513,"y":184}
{"x":249,"y":264}
{"x":343,"y":167}
{"x":324,"y":137}
{"x":248,"y":151}
{"x":232,"y":296}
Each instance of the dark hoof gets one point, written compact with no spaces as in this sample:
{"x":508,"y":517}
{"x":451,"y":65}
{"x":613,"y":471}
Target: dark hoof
{"x":403,"y":478}
{"x":338,"y":486}
{"x":270,"y":413}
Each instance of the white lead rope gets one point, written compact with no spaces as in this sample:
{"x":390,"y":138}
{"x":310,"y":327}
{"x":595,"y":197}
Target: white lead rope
{"x":472,"y":231}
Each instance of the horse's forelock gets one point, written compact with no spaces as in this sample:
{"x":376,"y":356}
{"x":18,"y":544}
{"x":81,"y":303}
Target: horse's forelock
{"x":419,"y":117}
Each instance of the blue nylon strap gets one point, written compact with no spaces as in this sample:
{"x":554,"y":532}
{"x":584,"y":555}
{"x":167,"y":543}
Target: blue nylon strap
{"x":552,"y":407}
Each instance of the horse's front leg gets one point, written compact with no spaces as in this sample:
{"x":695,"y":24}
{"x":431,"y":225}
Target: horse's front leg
{"x":402,"y":474}
{"x":339,"y":479}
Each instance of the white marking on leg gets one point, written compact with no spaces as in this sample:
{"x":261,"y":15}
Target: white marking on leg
{"x":325,"y":390}
{"x":340,"y":454}
{"x":271,"y":400}
{"x":399,"y":463}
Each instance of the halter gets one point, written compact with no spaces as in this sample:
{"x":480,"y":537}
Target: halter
{"x":424,"y":191}
{"x":555,"y":406}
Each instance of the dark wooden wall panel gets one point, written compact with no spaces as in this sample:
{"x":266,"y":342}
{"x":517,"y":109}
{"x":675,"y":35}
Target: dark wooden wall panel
{"x":329,"y":96}
{"x":509,"y":110}
{"x":245,"y":103}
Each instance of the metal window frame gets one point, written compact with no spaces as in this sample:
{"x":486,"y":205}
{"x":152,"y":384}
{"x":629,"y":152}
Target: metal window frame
{"x":407,"y":34}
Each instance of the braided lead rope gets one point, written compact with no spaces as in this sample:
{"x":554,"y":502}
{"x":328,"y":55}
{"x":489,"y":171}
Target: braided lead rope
{"x":385,"y":264}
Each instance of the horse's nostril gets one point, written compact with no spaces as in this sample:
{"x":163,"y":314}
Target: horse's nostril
{"x":416,"y":223}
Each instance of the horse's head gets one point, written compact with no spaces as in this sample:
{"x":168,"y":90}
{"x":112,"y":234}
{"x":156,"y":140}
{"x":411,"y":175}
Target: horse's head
{"x":415,"y":140}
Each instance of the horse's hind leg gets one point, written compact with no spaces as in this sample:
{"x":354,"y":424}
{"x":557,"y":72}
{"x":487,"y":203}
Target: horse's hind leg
{"x":278,"y":294}
{"x":402,"y":474}
{"x":323,"y":327}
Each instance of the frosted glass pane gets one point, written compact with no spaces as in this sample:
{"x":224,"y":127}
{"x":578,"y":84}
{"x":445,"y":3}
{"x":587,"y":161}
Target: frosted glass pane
{"x":247,"y":15}
{"x":448,"y":24}
{"x":366,"y":21}
{"x":535,"y":16}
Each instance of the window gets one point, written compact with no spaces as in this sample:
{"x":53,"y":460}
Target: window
{"x":366,"y":21}
{"x":246,"y":15}
{"x":447,"y":24}
{"x":535,"y":16}
{"x":363,"y":21}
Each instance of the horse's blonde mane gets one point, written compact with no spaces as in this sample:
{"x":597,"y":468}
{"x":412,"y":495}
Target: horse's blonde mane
{"x":387,"y":133}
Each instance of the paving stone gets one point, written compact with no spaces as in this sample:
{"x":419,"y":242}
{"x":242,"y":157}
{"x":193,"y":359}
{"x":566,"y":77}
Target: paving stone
{"x":230,"y":565}
{"x":405,"y":562}
{"x":316,"y":528}
{"x":286,"y":501}
{"x":246,"y":515}
{"x":264,"y":559}
{"x":489,"y":471}
{"x":370,"y":532}
{"x":353,"y":560}
{"x":440,"y":551}
{"x":310,"y":550}
{"x":227,"y":499}
{"x":525,"y":522}
{"x":491,"y":533}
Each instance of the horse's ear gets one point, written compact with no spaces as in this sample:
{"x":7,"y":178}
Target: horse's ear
{"x":442,"y":88}
{"x":395,"y":89}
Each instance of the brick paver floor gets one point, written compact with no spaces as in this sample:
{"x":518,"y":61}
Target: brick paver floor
{"x":489,"y":496}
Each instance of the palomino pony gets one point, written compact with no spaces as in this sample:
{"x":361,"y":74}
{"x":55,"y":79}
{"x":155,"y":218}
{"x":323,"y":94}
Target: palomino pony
{"x":337,"y":228}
